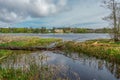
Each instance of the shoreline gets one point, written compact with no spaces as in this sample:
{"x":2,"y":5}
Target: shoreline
{"x":100,"y":48}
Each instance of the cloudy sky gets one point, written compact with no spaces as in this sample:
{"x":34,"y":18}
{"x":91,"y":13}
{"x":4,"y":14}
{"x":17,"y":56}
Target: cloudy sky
{"x":52,"y":13}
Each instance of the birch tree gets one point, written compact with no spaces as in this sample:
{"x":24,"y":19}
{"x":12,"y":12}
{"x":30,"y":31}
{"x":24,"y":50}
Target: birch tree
{"x":114,"y":17}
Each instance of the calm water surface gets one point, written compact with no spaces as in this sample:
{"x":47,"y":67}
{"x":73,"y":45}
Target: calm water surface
{"x":86,"y":68}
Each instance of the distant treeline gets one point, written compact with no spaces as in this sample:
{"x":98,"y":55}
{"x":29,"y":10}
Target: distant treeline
{"x":54,"y":30}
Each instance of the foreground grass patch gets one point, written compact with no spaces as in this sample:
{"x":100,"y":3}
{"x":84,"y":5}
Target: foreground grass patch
{"x":29,"y":68}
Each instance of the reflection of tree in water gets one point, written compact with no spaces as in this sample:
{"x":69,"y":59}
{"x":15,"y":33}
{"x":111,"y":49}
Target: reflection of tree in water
{"x":99,"y":64}
{"x":114,"y":69}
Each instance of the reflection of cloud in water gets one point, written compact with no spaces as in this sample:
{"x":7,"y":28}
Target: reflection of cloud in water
{"x":55,"y":58}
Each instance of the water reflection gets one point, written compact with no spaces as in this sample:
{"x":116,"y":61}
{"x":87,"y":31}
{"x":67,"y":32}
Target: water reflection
{"x":114,"y":69}
{"x":71,"y":65}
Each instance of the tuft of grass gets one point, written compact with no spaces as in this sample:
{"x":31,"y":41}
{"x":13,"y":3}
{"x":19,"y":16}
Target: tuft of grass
{"x":4,"y":53}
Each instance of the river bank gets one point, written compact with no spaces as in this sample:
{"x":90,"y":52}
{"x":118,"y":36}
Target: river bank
{"x":8,"y":43}
{"x":100,"y":48}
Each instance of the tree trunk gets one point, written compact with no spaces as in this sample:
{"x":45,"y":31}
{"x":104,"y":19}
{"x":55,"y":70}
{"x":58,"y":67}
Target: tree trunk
{"x":115,"y":22}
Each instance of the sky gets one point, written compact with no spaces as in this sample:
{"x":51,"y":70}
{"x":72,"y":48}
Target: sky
{"x":52,"y":13}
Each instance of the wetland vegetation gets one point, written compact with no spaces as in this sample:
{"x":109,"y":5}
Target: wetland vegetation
{"x":101,"y":48}
{"x":99,"y":54}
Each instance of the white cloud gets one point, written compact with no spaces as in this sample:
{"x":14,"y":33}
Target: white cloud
{"x":16,"y":10}
{"x":37,"y":13}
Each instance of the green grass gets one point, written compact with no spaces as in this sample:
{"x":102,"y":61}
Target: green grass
{"x":12,"y":41}
{"x":28,"y":42}
{"x":4,"y":53}
{"x":34,"y":73}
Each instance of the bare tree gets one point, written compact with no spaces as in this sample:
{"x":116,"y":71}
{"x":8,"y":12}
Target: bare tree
{"x":114,"y":17}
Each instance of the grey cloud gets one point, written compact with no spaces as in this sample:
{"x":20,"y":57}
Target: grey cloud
{"x":17,"y":10}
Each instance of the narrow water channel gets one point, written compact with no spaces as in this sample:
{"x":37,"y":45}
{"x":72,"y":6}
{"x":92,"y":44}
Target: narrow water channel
{"x":74,"y":66}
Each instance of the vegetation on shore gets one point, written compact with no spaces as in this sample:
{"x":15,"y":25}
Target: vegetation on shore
{"x":53,"y":30}
{"x":7,"y":42}
{"x":104,"y":49}
{"x":30,"y":69}
{"x":14,"y":41}
{"x":31,"y":72}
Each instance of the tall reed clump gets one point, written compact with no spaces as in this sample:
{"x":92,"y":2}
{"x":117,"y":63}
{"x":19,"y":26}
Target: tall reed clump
{"x":108,"y":51}
{"x":30,"y":71}
{"x":33,"y":73}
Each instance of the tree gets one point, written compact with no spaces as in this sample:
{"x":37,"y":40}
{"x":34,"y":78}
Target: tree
{"x":114,"y":17}
{"x":43,"y":30}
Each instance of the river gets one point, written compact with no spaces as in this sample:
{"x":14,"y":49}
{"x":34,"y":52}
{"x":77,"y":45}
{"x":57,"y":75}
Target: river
{"x":74,"y":66}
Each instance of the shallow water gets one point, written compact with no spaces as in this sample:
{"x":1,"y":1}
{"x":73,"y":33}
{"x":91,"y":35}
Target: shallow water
{"x":74,"y":65}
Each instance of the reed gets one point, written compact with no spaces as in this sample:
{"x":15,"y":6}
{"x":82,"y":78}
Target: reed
{"x":34,"y":71}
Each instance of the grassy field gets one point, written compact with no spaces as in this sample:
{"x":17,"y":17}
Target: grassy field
{"x":102,"y":48}
{"x":11,"y":41}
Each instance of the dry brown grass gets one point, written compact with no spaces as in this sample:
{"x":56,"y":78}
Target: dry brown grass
{"x":6,"y":39}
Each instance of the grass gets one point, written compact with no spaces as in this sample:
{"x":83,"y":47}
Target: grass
{"x":4,"y":53}
{"x":26,"y":41}
{"x":33,"y":71}
{"x":101,"y":48}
